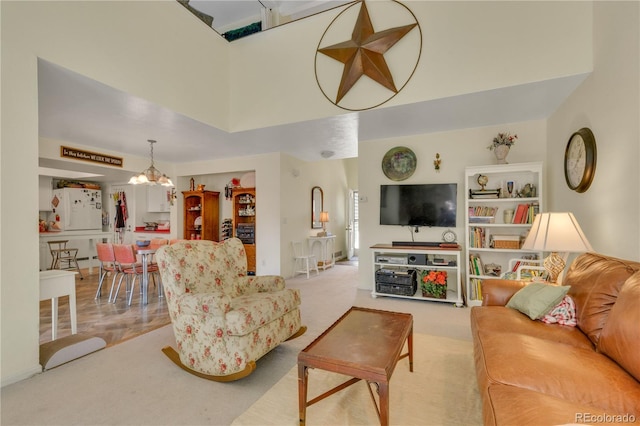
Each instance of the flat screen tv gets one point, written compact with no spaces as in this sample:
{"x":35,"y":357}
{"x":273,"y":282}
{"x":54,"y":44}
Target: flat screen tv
{"x":419,"y":205}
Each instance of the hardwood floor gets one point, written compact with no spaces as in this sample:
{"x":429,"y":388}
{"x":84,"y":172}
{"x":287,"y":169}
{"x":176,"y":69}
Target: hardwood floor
{"x":114,"y":323}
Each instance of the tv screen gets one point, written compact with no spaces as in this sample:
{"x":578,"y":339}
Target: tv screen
{"x":419,"y":205}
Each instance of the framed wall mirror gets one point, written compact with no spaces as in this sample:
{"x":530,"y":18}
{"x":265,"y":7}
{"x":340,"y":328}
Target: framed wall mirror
{"x":317,"y":201}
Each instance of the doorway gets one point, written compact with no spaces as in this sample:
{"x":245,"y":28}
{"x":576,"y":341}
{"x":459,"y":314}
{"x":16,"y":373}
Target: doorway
{"x":352,"y":236}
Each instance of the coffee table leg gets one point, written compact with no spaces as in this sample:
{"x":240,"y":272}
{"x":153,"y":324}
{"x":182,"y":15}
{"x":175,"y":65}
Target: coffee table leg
{"x":410,"y":344}
{"x":383,"y":393}
{"x":302,"y":392}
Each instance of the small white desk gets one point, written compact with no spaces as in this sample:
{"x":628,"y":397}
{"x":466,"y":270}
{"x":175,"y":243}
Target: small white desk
{"x":53,"y":284}
{"x":326,"y":259}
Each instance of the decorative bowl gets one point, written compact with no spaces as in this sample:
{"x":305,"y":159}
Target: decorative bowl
{"x":144,"y":243}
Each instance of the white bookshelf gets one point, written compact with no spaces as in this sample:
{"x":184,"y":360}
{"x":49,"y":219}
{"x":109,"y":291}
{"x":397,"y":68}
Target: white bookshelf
{"x":490,"y":239}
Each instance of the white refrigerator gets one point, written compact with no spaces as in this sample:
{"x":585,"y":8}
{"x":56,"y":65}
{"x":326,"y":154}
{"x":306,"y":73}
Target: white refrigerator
{"x":77,"y":208}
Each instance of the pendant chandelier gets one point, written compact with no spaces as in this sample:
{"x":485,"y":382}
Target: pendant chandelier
{"x":151,"y":176}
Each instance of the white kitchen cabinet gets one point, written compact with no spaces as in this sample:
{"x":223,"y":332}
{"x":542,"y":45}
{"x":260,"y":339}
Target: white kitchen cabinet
{"x":45,"y":192}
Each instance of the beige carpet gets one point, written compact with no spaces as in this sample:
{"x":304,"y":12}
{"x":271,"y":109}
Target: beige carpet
{"x":440,"y":391}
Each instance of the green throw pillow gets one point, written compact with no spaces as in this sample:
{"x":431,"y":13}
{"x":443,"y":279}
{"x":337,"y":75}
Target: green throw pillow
{"x":537,"y":299}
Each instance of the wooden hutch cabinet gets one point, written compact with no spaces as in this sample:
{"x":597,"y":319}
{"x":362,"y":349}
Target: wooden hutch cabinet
{"x":244,"y":222}
{"x":201,"y":215}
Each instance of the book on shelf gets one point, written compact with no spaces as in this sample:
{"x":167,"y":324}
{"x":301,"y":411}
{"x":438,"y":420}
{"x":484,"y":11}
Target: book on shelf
{"x":477,"y":237}
{"x":520,"y":213}
{"x":482,"y":211}
{"x":476,"y":289}
{"x":482,"y":214}
{"x":486,"y":193}
{"x":476,"y":266}
{"x":534,"y":209}
{"x":482,"y":219}
{"x":523,"y":261}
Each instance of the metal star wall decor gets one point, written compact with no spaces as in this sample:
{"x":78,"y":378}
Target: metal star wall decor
{"x":363,"y":55}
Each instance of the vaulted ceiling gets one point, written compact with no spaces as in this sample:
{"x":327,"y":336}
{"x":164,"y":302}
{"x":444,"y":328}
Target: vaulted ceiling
{"x":76,"y":109}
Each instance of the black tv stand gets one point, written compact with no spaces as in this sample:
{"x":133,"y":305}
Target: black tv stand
{"x":416,"y":243}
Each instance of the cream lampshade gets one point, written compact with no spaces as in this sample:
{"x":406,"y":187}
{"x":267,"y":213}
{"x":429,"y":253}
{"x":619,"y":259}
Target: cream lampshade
{"x":556,"y":232}
{"x":324,"y":218}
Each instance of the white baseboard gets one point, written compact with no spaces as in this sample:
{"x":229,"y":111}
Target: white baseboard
{"x":37,"y":369}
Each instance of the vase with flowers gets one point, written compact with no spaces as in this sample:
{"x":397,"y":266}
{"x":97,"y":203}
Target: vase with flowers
{"x":501,"y":145}
{"x":434,"y":284}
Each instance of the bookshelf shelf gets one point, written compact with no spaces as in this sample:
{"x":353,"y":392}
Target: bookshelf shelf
{"x":480,"y":236}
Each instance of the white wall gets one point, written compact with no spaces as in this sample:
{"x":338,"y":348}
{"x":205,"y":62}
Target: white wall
{"x":608,"y":102}
{"x":468,"y":47}
{"x":267,"y":168}
{"x":131,"y":46}
{"x":457,"y":150}
{"x":297,"y":179}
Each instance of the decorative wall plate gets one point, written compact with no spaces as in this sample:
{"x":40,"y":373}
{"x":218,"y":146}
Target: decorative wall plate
{"x":399,"y":163}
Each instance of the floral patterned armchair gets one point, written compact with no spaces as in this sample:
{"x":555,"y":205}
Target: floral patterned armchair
{"x":223,"y":320}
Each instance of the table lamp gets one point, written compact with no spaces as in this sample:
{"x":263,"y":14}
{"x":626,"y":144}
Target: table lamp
{"x":324,"y":218}
{"x":556,"y":232}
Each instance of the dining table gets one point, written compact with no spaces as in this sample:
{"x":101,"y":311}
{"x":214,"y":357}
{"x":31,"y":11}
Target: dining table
{"x":146,"y":254}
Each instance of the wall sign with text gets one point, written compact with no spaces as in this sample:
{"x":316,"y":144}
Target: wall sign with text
{"x":93,"y":157}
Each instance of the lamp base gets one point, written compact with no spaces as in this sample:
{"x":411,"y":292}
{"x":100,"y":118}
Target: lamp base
{"x":554,"y":264}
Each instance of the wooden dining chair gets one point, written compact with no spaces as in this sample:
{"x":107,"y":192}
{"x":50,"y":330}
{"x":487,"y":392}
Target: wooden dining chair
{"x":61,"y":254}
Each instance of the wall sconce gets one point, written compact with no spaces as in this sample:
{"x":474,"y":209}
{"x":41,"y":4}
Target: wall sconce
{"x":436,"y":162}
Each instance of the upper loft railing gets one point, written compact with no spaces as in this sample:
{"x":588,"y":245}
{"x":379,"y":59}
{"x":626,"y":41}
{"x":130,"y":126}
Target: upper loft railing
{"x":236,"y":19}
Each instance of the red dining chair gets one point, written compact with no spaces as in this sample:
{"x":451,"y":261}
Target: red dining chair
{"x":107,"y":259}
{"x":130,"y":269}
{"x":155,"y":244}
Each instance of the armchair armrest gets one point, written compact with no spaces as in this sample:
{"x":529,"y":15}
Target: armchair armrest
{"x":498,"y":292}
{"x":263,"y":283}
{"x":214,"y":303}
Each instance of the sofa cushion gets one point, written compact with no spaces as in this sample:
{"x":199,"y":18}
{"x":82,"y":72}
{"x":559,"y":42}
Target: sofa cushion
{"x":537,"y":299}
{"x":621,"y":333}
{"x":499,"y":319}
{"x":563,"y":313}
{"x":595,"y":282}
{"x":577,"y":375}
{"x":254,"y":311}
{"x":509,"y":405}
{"x":497,"y":292}
{"x":206,"y":266}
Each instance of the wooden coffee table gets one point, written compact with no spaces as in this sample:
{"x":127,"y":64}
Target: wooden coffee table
{"x":365,"y":344}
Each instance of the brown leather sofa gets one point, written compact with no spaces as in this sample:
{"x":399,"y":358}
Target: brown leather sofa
{"x":533,"y":373}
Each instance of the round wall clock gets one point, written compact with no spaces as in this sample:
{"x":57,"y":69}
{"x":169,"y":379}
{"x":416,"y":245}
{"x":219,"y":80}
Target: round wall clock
{"x":399,"y":163}
{"x":580,"y":160}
